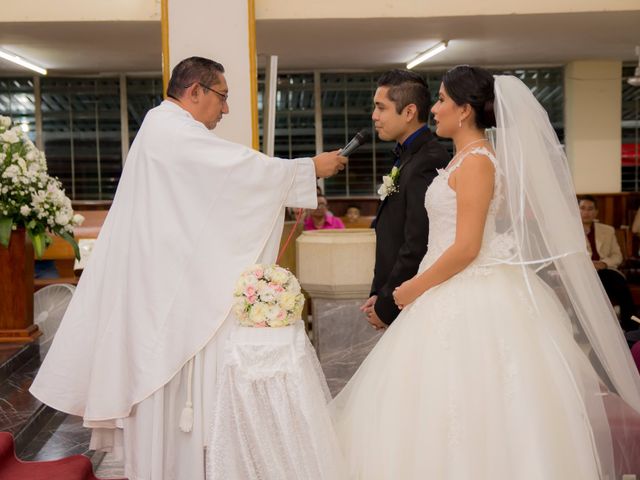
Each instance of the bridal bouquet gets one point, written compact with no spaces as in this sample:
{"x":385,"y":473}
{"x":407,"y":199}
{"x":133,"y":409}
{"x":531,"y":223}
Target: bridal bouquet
{"x":30,"y":198}
{"x":268,"y":296}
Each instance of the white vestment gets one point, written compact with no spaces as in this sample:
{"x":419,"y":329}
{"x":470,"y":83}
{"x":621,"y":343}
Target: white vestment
{"x":192,"y":211}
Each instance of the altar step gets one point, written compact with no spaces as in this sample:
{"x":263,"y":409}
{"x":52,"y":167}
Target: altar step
{"x":40,"y":432}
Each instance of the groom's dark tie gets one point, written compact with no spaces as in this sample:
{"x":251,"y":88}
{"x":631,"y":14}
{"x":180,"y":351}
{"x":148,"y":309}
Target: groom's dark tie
{"x":397,"y":153}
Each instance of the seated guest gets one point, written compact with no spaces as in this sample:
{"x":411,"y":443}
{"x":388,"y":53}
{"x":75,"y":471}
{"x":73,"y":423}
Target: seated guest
{"x":321,"y":218}
{"x":353,"y":214}
{"x":607,"y":257}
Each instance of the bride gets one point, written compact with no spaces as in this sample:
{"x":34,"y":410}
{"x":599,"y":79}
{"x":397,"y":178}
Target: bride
{"x":507,"y":361}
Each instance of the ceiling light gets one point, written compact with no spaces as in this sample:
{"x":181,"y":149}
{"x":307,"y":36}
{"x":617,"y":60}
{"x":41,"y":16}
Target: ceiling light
{"x":22,"y":62}
{"x":432,"y":52}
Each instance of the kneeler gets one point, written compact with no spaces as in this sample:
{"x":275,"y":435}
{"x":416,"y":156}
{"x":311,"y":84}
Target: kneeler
{"x":75,"y":467}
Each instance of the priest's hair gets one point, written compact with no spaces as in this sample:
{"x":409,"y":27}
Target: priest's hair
{"x":193,"y":70}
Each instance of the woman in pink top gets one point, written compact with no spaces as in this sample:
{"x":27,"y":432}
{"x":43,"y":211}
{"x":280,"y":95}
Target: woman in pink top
{"x":321,"y":218}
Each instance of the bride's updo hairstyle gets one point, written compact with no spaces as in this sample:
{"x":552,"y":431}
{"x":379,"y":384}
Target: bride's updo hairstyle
{"x":473,"y":86}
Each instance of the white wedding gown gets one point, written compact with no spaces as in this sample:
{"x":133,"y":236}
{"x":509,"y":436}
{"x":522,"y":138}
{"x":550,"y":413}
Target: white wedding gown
{"x":470,"y":382}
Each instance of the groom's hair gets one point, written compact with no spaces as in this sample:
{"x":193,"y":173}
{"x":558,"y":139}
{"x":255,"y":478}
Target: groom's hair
{"x":193,"y":70}
{"x":405,"y":88}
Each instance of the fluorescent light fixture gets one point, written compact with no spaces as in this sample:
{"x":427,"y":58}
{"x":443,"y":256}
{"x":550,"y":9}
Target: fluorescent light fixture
{"x":22,"y":62}
{"x":432,"y":52}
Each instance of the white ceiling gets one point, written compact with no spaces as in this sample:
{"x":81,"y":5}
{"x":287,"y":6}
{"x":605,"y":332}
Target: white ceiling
{"x":350,"y":44}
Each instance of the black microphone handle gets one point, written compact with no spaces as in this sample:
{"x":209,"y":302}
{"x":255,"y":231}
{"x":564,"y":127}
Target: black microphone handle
{"x":350,"y":147}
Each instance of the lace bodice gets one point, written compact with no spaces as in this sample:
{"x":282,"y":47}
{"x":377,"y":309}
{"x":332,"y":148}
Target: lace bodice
{"x":440,"y":202}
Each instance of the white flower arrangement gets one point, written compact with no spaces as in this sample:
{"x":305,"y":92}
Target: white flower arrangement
{"x":29,"y":197}
{"x":389,"y":183}
{"x":268,"y":296}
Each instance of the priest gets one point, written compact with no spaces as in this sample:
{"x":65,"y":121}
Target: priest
{"x":138,"y":350}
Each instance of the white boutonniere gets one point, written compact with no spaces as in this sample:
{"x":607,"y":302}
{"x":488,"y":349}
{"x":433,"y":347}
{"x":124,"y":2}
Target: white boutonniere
{"x":389,"y":183}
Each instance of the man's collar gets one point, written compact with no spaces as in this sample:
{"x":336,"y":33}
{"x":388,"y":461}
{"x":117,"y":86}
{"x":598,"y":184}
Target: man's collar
{"x":413,"y":136}
{"x":413,"y":141}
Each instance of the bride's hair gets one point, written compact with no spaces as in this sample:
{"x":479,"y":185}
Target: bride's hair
{"x":473,"y":86}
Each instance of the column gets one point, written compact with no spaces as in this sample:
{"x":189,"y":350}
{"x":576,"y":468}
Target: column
{"x":225,"y":32}
{"x":593,"y":105}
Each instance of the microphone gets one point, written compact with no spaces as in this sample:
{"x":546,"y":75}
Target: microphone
{"x":362,"y":137}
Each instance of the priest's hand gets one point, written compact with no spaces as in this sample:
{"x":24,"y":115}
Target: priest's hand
{"x":329,"y":163}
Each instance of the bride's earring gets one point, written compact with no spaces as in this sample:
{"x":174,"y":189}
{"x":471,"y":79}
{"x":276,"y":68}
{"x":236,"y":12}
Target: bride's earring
{"x":460,"y":123}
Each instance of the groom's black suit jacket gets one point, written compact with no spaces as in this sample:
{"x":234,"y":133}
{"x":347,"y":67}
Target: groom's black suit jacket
{"x":402,"y":225}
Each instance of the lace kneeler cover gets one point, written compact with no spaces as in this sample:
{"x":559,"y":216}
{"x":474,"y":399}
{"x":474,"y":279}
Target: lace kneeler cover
{"x":270,"y":420}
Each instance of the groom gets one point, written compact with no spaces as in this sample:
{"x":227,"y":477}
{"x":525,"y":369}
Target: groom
{"x":402,"y":103}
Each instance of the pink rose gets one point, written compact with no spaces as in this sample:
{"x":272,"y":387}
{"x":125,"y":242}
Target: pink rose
{"x":259,"y":273}
{"x":250,"y":291}
{"x":276,"y":287}
{"x":260,"y":325}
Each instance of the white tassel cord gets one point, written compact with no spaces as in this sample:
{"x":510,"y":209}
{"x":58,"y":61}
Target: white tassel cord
{"x":186,"y":418}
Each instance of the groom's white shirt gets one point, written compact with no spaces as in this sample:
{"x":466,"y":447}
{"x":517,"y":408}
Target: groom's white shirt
{"x":191,"y":212}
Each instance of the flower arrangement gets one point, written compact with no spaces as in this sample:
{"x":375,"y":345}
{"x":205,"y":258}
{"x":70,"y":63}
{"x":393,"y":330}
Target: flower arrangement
{"x":30,"y":198}
{"x":268,"y":296}
{"x":389,"y":183}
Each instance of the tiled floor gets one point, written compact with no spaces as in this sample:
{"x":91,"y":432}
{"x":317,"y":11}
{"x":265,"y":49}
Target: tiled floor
{"x":62,"y":436}
{"x":17,"y":406}
{"x":110,"y":468}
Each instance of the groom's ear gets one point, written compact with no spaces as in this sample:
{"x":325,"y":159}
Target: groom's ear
{"x":410,"y":112}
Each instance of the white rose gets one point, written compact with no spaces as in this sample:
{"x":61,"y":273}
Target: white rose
{"x":240,"y":309}
{"x":77,"y":219}
{"x":258,"y":313}
{"x":5,"y":122}
{"x":62,"y":218}
{"x":25,"y":211}
{"x":294,"y":285}
{"x":279,"y":275}
{"x":276,"y":316}
{"x":266,"y":293}
{"x":31,"y":155}
{"x":288,"y":300}
{"x":10,"y":136}
{"x":11,"y":171}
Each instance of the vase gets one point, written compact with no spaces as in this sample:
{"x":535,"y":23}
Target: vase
{"x":16,"y":290}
